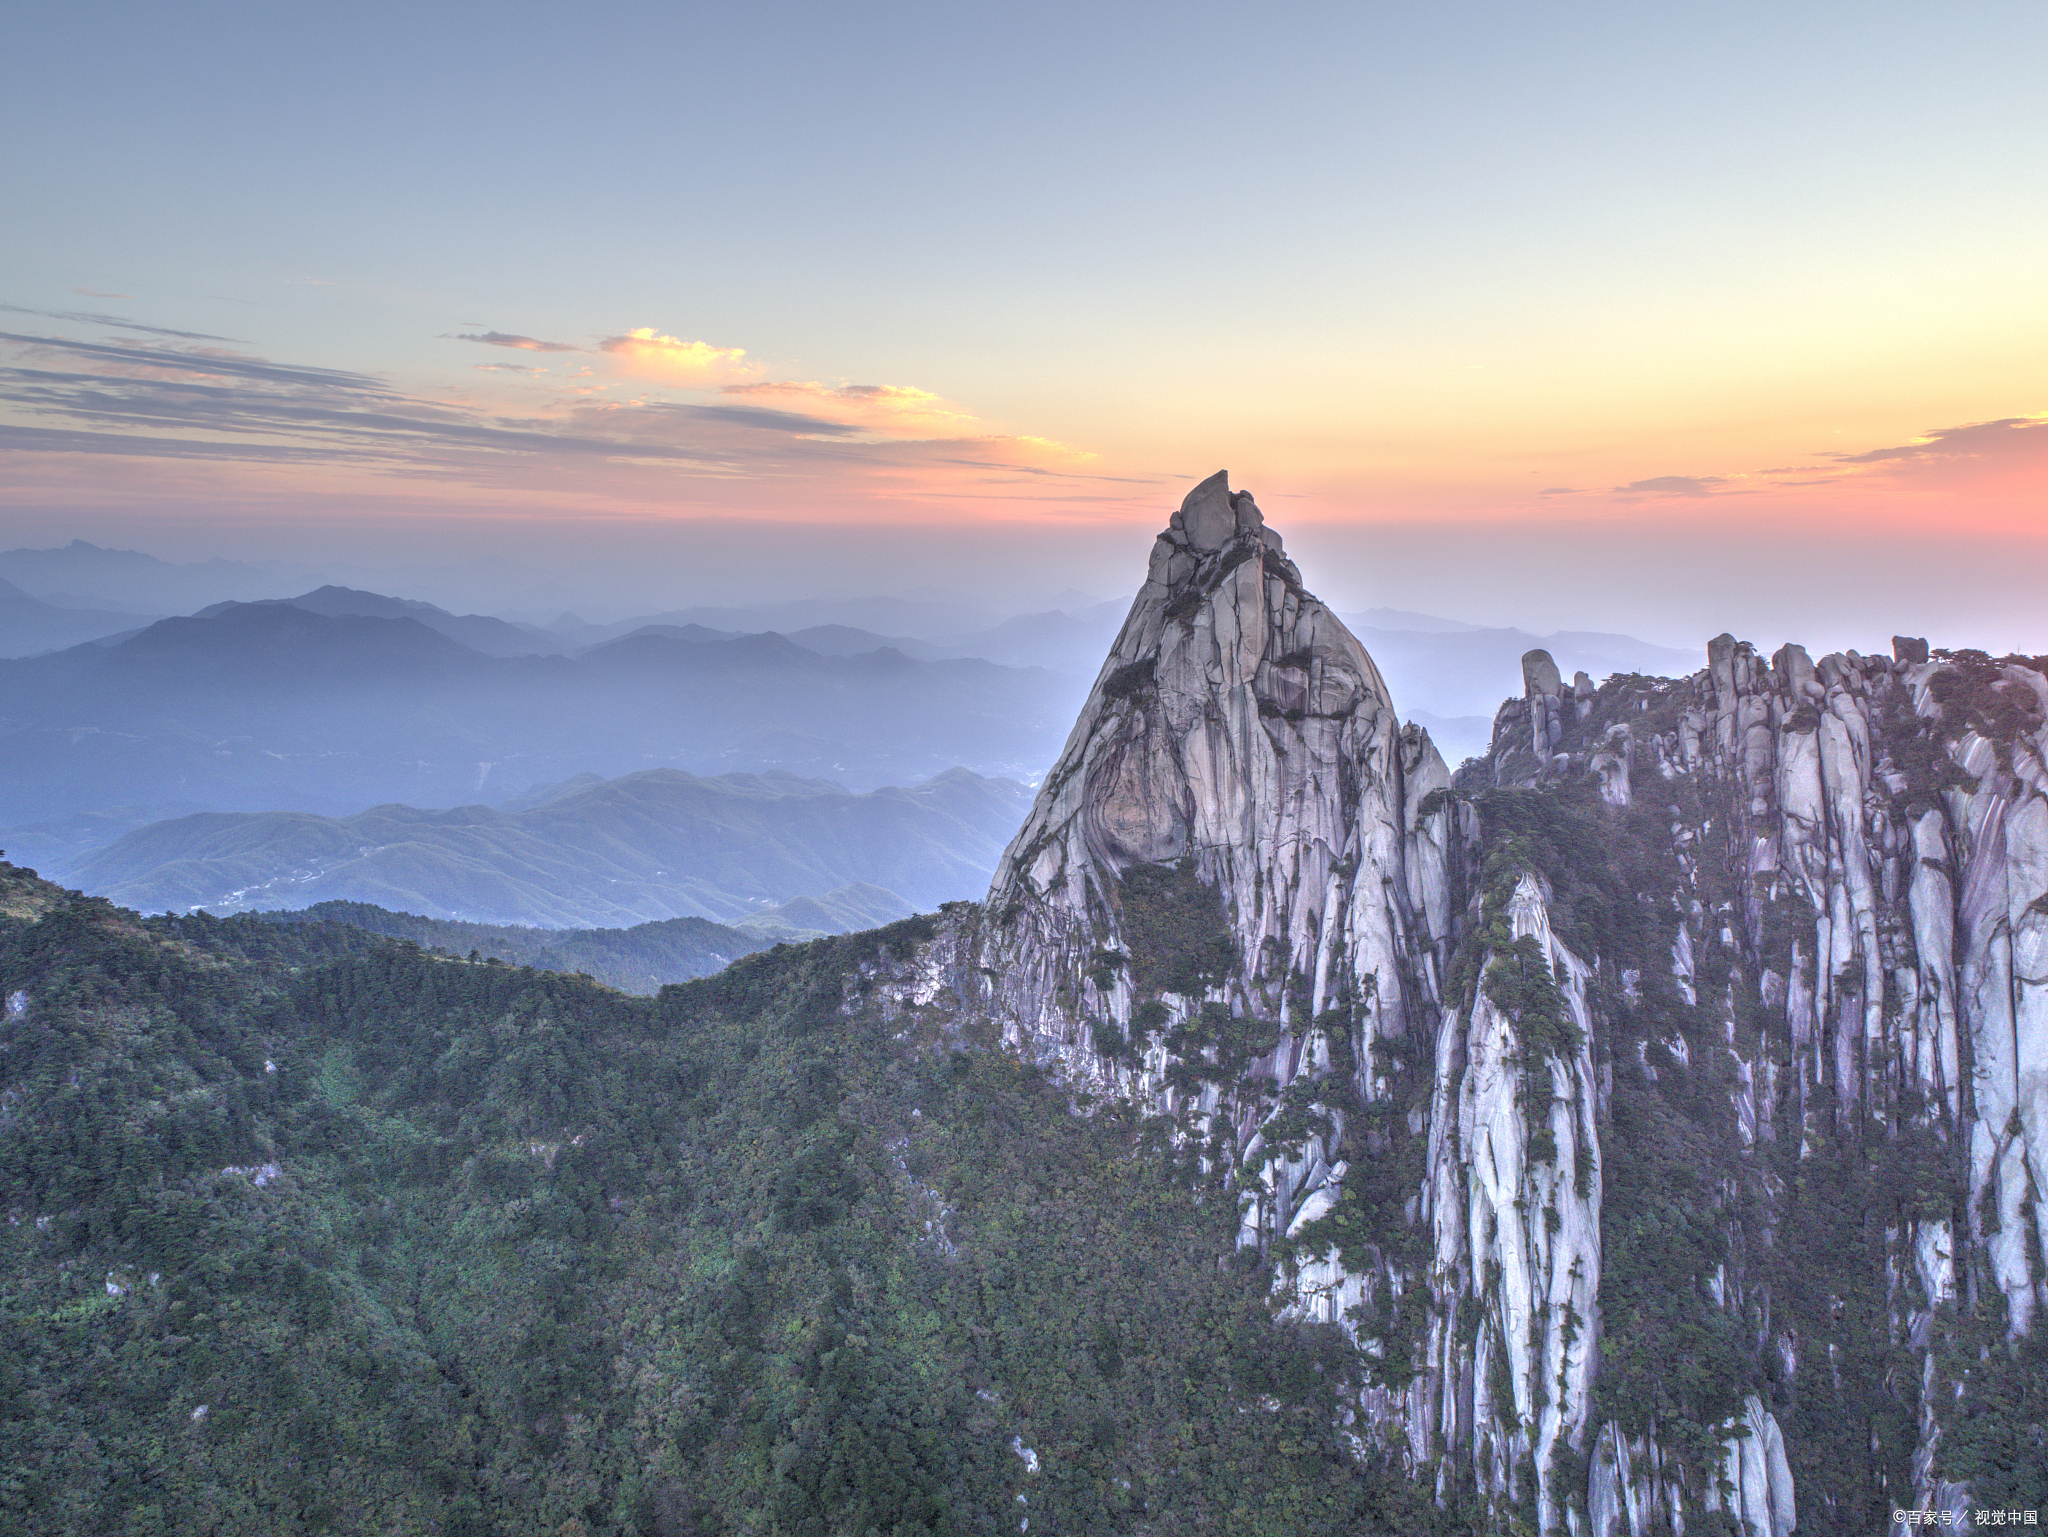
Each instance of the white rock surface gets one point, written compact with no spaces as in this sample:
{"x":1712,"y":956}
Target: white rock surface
{"x":1922,"y":993}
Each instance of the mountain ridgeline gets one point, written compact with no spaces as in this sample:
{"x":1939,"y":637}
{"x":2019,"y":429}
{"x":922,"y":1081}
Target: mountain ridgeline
{"x":642,"y":959}
{"x":265,"y":705}
{"x":1639,"y":1131}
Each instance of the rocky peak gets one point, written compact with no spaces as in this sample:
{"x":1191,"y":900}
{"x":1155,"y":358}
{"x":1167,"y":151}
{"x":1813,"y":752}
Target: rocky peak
{"x":1239,"y":755}
{"x":1213,"y":516}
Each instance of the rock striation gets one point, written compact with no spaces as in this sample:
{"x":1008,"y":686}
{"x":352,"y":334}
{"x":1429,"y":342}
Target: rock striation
{"x":1659,"y":1106}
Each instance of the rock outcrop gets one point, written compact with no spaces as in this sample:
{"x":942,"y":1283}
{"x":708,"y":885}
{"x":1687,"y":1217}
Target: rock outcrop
{"x":1239,"y":781}
{"x":1238,"y":735}
{"x":1660,"y":1107}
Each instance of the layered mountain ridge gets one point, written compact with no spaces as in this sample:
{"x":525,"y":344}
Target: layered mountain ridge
{"x":1660,"y":1106}
{"x":642,"y":848}
{"x":268,"y":705}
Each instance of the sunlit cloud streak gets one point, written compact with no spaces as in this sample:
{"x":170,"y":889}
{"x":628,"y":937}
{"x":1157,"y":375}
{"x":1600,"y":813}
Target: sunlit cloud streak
{"x":508,"y":339}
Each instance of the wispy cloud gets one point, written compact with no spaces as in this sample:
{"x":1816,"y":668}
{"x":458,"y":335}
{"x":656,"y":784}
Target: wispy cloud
{"x":1674,"y":485}
{"x":895,"y":410}
{"x":100,"y":293}
{"x":507,"y":339}
{"x":648,"y":354}
{"x":195,"y":401}
{"x":759,"y":420}
{"x":1988,"y":459}
{"x":117,"y":322}
{"x":2008,"y":438}
{"x":131,"y":359}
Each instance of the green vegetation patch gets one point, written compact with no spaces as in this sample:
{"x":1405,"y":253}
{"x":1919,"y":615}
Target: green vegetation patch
{"x":1174,"y":925}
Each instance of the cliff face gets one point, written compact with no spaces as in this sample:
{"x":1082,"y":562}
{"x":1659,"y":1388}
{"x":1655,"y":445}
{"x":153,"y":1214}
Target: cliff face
{"x":1858,"y":923}
{"x":1660,"y":1109}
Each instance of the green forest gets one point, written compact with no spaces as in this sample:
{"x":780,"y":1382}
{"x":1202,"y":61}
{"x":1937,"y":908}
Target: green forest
{"x":311,"y":1230}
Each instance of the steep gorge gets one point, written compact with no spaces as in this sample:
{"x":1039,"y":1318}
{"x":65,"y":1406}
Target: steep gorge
{"x":1660,"y":1106}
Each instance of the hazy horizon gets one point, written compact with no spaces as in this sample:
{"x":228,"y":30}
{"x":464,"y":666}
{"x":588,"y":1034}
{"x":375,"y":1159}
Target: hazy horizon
{"x":1662,"y":586}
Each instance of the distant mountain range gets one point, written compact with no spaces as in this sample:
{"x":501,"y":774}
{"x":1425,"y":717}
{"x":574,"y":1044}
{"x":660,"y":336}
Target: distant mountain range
{"x":1070,"y":641}
{"x":784,"y":857}
{"x":84,"y":575}
{"x":924,"y":618}
{"x":267,"y":705}
{"x":225,"y":758}
{"x":1448,"y":673}
{"x":479,"y":632}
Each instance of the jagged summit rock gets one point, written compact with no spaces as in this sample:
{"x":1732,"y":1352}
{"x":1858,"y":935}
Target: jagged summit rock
{"x":1212,"y":515}
{"x":1239,"y":734}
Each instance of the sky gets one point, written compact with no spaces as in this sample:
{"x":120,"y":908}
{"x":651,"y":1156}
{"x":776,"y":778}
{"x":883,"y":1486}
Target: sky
{"x":1665,"y":319}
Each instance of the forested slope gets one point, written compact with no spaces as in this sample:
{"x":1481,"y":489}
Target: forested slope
{"x":313,"y":1231}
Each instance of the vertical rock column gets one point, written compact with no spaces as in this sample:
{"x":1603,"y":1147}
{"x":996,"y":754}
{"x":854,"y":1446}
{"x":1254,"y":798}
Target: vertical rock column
{"x":1514,"y":1202}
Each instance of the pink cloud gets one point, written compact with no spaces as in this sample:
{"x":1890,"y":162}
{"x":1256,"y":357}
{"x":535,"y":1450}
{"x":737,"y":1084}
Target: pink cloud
{"x":2011,"y":440}
{"x":510,"y":339}
{"x":1675,"y":485}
